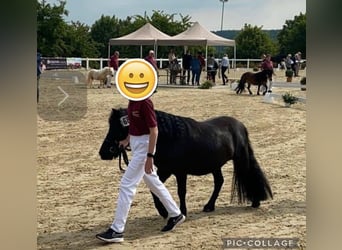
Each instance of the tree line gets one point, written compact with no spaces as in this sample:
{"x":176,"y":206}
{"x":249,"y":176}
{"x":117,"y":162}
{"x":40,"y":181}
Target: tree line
{"x":58,"y":38}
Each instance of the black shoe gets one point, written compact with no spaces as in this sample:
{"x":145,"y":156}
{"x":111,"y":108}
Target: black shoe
{"x":110,"y":236}
{"x":173,"y":222}
{"x":270,"y":91}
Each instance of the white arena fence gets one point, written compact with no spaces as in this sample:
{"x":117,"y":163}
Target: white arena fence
{"x":76,"y":62}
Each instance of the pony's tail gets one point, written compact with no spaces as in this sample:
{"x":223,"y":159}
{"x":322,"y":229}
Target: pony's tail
{"x":241,"y":86}
{"x":249,"y":181}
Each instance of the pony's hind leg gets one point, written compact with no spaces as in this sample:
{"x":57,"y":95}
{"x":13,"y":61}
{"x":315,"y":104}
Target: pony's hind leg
{"x":258,"y":92}
{"x":240,"y":87}
{"x":181,"y":190}
{"x":266,"y":88}
{"x":218,"y":182}
{"x":249,"y":89}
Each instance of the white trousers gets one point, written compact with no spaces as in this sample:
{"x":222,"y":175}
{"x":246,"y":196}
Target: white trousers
{"x":131,"y":179}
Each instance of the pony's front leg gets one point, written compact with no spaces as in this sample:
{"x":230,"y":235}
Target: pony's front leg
{"x":218,"y":182}
{"x":159,"y":206}
{"x":181,"y":184}
{"x":163,"y":176}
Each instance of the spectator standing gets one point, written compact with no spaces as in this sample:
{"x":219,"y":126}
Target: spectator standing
{"x":173,"y":66}
{"x":39,"y":71}
{"x":283,"y":64}
{"x":150,"y":58}
{"x":224,"y":66}
{"x":212,"y":67}
{"x":142,"y":136}
{"x":196,"y":69}
{"x":171,"y":56}
{"x":175,"y":69}
{"x":267,"y":65}
{"x":114,"y":63}
{"x":201,"y":60}
{"x":297,"y":60}
{"x":186,"y":63}
{"x":293,"y":65}
{"x":288,"y":61}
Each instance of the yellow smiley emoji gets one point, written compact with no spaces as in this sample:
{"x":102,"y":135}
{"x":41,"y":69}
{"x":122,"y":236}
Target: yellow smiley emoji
{"x":136,"y":79}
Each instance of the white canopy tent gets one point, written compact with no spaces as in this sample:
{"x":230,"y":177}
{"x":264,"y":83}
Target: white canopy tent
{"x":194,"y":35}
{"x":198,"y":35}
{"x":146,"y":35}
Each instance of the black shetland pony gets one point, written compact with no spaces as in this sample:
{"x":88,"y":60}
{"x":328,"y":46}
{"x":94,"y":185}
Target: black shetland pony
{"x":186,"y":146}
{"x":259,"y":78}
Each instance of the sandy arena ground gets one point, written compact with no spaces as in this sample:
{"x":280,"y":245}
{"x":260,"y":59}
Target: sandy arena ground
{"x":77,"y":191}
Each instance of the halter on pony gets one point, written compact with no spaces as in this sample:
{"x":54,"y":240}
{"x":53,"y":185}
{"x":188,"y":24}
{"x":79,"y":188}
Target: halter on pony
{"x":124,"y":121}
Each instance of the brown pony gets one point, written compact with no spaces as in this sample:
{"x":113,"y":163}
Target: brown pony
{"x":100,"y":75}
{"x":259,"y":78}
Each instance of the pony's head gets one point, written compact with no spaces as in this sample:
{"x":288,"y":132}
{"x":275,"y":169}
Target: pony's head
{"x":108,"y":71}
{"x":118,"y":131}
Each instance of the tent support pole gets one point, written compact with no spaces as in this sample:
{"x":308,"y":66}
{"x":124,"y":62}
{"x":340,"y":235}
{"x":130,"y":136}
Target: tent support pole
{"x":234,"y":65}
{"x":156,"y":52}
{"x":206,"y":57}
{"x":155,"y":48}
{"x":108,"y":50}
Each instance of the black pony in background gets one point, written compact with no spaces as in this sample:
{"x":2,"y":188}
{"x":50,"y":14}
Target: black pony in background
{"x":186,"y":146}
{"x":259,"y":79}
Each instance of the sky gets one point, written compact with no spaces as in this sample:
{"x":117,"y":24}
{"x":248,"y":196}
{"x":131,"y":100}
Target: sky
{"x":270,"y":14}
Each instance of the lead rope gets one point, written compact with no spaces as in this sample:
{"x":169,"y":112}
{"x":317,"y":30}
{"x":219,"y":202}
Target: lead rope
{"x":123,"y":154}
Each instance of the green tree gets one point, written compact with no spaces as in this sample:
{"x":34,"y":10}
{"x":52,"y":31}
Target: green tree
{"x":80,"y":42}
{"x":51,"y":28}
{"x":252,"y":42}
{"x":292,"y":38}
{"x":103,"y":29}
{"x":57,"y":38}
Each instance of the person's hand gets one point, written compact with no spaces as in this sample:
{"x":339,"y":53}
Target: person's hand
{"x":149,"y":165}
{"x":124,"y":143}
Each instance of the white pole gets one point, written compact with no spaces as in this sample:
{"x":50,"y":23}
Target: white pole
{"x":223,"y":1}
{"x":206,"y":57}
{"x":234,"y":61}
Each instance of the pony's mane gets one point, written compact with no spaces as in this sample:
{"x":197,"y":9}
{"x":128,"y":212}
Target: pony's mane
{"x":169,"y":125}
{"x":174,"y":126}
{"x":116,"y":113}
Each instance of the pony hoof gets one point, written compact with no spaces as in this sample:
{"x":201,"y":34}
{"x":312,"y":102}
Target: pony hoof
{"x":256,"y":204}
{"x":208,"y":209}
